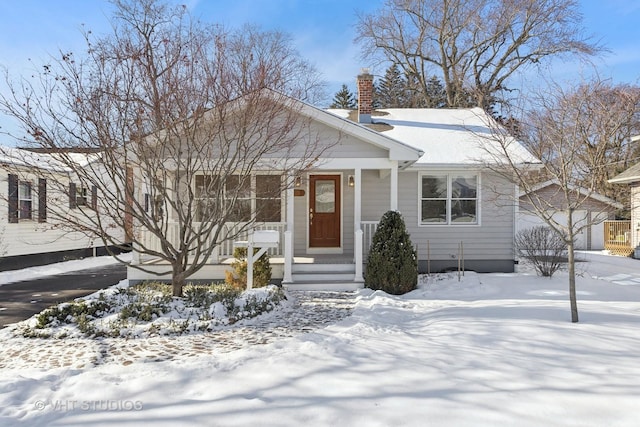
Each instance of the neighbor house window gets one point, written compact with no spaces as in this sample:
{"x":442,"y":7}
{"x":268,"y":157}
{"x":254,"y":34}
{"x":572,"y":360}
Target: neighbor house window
{"x":449,"y":199}
{"x":258,"y":195}
{"x":81,"y":196}
{"x":25,"y":200}
{"x":20,"y":199}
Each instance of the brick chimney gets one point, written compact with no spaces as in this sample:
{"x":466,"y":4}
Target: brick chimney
{"x":365,"y":96}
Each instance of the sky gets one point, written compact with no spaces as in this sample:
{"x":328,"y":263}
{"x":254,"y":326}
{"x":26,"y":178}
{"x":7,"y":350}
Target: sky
{"x":323,"y":31}
{"x":483,"y":350}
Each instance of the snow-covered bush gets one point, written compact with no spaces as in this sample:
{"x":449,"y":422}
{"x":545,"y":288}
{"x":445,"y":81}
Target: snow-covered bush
{"x":149,"y":309}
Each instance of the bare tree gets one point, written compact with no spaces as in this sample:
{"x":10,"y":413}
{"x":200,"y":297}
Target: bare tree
{"x":187,"y":127}
{"x":606,"y":117}
{"x":572,"y":133}
{"x":475,"y":45}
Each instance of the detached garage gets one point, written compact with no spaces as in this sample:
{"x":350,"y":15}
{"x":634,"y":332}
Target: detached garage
{"x":592,"y":211}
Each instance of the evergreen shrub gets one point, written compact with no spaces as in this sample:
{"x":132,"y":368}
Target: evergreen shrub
{"x":392,"y":264}
{"x":261,"y":270}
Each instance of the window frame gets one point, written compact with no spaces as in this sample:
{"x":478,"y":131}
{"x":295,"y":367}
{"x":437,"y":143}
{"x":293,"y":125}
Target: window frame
{"x":253,"y":198}
{"x":81,"y":196}
{"x":450,"y":177}
{"x":29,"y":186}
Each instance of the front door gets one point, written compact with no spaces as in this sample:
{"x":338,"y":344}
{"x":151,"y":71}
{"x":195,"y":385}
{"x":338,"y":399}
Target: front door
{"x":324,"y":211}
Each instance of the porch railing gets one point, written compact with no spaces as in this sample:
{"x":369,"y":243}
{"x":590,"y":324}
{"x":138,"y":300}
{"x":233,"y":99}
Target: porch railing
{"x":225,"y":249}
{"x":617,"y":237}
{"x":368,"y":228}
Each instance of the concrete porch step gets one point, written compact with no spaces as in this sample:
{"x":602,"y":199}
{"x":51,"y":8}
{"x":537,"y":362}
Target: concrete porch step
{"x":323,"y":277}
{"x":317,"y":268}
{"x":334,"y":286}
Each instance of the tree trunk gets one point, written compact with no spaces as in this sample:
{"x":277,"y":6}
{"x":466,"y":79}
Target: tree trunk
{"x":177,"y":281}
{"x":572,"y":282}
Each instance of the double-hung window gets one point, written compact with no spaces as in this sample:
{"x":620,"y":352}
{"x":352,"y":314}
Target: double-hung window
{"x":449,"y":199}
{"x":81,"y":196}
{"x":25,"y":200}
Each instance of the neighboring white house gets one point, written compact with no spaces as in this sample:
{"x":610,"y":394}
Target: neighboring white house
{"x":594,"y":210}
{"x":428,"y":164}
{"x":29,"y":233}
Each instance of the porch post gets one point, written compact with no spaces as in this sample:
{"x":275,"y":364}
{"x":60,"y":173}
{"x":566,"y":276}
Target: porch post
{"x":135,"y":255}
{"x":393,"y":203}
{"x":357,"y":225}
{"x":288,"y":236}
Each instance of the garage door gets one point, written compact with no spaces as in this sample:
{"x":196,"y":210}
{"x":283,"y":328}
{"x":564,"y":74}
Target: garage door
{"x":528,"y":220}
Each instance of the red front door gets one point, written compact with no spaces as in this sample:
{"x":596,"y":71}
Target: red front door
{"x":324,"y":211}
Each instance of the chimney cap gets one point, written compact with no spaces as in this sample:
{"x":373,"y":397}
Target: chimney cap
{"x":364,"y":71}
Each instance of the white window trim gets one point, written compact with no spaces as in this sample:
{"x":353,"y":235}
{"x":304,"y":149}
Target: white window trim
{"x":448,"y":175}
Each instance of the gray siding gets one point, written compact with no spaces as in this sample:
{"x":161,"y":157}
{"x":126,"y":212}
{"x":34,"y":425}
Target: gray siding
{"x":316,"y":137}
{"x":488,"y":245}
{"x":375,"y":195}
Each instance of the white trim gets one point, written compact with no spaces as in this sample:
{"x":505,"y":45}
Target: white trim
{"x":393,"y":190}
{"x":318,"y":251}
{"x":351,"y":163}
{"x":289,"y":233}
{"x":358,"y":249}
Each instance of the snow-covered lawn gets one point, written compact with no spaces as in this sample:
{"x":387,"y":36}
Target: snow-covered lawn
{"x":488,"y":350}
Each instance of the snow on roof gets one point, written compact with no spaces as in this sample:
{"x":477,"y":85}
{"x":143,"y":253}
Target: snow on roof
{"x":45,"y":161}
{"x":449,"y":136}
{"x":630,"y":175}
{"x":20,"y":157}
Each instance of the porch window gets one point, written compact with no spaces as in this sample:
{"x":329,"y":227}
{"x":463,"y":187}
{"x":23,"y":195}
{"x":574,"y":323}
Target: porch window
{"x":268,"y":198}
{"x":257,"y":195}
{"x":448,"y":199}
{"x":240,"y":191}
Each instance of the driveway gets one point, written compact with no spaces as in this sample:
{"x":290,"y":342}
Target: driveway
{"x":21,"y":300}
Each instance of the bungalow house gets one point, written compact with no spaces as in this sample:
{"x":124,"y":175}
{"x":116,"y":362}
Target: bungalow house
{"x":594,"y":209}
{"x":31,"y":232}
{"x":428,"y":164}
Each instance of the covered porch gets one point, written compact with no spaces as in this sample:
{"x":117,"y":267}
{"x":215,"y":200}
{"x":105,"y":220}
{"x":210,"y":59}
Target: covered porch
{"x":329,"y":218}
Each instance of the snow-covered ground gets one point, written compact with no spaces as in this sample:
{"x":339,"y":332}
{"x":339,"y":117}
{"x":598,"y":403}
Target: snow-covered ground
{"x":488,"y":350}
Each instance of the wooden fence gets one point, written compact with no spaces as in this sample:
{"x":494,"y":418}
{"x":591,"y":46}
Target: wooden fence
{"x":617,"y":237}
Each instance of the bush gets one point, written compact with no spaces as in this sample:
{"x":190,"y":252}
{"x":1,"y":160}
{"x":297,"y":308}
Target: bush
{"x":261,"y":270}
{"x":392,"y":264}
{"x":545,"y":248}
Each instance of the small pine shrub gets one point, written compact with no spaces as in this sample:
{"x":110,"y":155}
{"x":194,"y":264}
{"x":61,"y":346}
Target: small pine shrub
{"x":392,"y":264}
{"x":261,"y":270}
